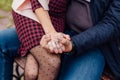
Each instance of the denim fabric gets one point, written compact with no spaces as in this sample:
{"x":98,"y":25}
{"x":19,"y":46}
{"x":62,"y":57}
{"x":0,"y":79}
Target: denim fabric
{"x":88,"y":66}
{"x":106,"y":29}
{"x":9,"y":44}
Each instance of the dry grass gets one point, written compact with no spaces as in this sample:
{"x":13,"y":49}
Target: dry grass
{"x":5,"y":14}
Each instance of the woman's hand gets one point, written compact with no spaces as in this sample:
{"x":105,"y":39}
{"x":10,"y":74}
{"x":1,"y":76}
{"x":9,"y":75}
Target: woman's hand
{"x":52,"y":42}
{"x":63,"y":40}
{"x":55,"y":44}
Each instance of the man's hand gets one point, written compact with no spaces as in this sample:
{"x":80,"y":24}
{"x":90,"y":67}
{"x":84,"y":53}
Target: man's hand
{"x":55,"y":44}
{"x":63,"y":43}
{"x":67,"y":44}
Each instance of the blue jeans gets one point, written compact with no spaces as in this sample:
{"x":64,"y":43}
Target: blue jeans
{"x":9,"y":44}
{"x":88,"y":66}
{"x":85,"y":66}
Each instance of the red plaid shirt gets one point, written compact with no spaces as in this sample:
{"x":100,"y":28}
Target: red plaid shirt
{"x":30,"y":31}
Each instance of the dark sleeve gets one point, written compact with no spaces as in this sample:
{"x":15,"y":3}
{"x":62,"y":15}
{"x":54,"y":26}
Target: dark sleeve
{"x":106,"y":30}
{"x":35,"y":4}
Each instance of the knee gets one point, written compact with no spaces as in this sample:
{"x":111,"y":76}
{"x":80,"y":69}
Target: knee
{"x":46,"y":58}
{"x":30,"y":75}
{"x":55,"y":61}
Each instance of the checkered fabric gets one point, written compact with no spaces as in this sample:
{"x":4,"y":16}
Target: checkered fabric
{"x":35,"y":4}
{"x":30,"y":31}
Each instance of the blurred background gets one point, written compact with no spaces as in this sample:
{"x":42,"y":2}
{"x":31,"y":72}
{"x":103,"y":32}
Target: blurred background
{"x":6,"y":21}
{"x":5,"y":14}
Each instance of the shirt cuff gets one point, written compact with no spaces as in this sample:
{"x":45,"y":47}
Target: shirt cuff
{"x":35,"y":5}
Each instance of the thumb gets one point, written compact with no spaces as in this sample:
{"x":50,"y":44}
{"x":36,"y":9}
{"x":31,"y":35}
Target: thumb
{"x":45,"y":38}
{"x":65,"y":42}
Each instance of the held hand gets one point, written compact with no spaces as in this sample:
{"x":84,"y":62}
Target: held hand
{"x":52,"y":42}
{"x":44,"y":41}
{"x":58,"y":35}
{"x":54,"y":45}
{"x":67,"y":44}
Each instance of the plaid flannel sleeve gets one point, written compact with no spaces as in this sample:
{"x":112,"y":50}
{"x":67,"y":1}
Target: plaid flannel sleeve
{"x":35,"y":4}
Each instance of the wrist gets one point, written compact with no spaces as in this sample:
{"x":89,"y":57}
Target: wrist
{"x":72,"y":49}
{"x":71,"y":46}
{"x":49,"y":29}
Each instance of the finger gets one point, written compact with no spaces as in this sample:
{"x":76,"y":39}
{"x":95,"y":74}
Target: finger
{"x":62,"y":35}
{"x":46,"y":47}
{"x":60,"y":50}
{"x":53,"y":44}
{"x":45,"y":39}
{"x":62,"y":47}
{"x":44,"y":42}
{"x":54,"y":47}
{"x":45,"y":36}
{"x":63,"y":41}
{"x":50,"y":47}
{"x":67,"y":36}
{"x":59,"y":47}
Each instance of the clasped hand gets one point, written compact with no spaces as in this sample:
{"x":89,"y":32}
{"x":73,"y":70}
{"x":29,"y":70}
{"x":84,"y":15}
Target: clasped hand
{"x":56,"y":42}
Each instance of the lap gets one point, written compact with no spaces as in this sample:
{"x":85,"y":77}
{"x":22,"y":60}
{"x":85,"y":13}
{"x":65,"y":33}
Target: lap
{"x":45,"y":56}
{"x":88,"y":66}
{"x":9,"y":41}
{"x":8,"y":45}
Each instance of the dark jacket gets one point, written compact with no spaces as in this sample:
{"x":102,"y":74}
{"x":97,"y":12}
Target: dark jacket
{"x":104,"y":34}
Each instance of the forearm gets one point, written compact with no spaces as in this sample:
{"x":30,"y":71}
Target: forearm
{"x":106,"y":30}
{"x":42,"y":16}
{"x":94,"y":37}
{"x":45,"y":20}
